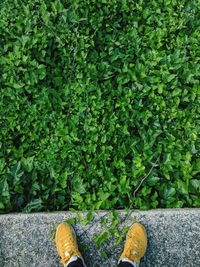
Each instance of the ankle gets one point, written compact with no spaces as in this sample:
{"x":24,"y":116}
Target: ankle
{"x":125,"y":262}
{"x":75,"y":262}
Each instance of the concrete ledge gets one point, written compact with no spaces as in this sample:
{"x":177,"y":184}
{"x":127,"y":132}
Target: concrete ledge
{"x":173,"y":239}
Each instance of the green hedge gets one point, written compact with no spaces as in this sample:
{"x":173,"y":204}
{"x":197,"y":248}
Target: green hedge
{"x":99,"y":104}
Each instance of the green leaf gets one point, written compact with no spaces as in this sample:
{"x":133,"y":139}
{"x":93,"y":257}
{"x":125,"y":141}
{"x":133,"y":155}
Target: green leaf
{"x":27,"y":163}
{"x":71,"y":221}
{"x":153,"y":180}
{"x":169,"y":192}
{"x":34,"y":205}
{"x":195,"y":184}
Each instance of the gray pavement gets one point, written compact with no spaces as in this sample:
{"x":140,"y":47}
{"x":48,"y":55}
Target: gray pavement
{"x":173,"y":239}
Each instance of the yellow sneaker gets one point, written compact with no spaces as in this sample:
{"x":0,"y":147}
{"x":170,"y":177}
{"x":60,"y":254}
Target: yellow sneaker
{"x":66,"y":243}
{"x":135,"y":244}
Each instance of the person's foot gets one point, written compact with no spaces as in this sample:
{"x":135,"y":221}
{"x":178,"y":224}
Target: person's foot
{"x":66,"y":244}
{"x":135,"y":244}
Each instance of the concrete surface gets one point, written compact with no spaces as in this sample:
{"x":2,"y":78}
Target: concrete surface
{"x":173,"y":239}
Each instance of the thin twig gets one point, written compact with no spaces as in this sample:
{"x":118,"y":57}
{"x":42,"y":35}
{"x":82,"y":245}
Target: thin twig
{"x":145,"y":177}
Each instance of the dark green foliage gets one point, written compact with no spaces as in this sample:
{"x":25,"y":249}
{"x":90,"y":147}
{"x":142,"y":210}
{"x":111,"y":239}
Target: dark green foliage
{"x":92,"y":94}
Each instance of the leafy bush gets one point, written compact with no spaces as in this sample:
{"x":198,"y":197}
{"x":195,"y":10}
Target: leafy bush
{"x":99,"y":104}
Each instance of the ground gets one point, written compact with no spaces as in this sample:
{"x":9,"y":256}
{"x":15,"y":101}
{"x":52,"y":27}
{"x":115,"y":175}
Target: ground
{"x":173,"y":239}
